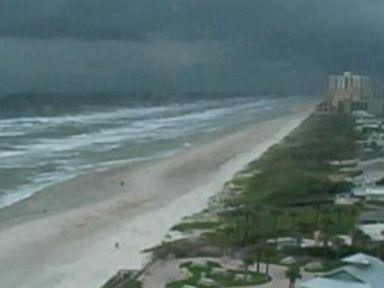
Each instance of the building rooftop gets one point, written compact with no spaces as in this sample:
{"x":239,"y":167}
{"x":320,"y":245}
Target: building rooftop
{"x":331,"y":283}
{"x":359,"y":259}
{"x":372,"y":217}
{"x":360,"y":271}
{"x":368,"y":191}
{"x":374,"y":231}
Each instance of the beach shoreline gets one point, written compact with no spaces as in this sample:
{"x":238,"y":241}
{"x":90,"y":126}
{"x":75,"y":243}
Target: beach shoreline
{"x":158,"y":196}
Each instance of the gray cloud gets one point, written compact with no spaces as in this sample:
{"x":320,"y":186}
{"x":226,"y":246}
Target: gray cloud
{"x":184,"y":44}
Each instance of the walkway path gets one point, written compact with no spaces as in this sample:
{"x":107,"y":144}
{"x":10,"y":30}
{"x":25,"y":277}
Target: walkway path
{"x":164,"y":272}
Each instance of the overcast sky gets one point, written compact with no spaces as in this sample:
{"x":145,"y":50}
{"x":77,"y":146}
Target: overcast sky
{"x":225,"y":45}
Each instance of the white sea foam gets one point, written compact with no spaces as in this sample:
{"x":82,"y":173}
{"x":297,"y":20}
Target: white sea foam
{"x":61,"y":147}
{"x":10,"y":153}
{"x":44,"y":180}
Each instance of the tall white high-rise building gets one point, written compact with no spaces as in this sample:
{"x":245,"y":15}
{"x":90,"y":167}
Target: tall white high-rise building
{"x":356,"y":85}
{"x":349,"y":92}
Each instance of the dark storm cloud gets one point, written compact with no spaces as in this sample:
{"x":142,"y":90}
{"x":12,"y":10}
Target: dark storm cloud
{"x":82,"y":19}
{"x":99,"y":19}
{"x":187,"y":19}
{"x":201,"y":44}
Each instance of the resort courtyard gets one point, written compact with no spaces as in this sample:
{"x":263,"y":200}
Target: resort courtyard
{"x":166,"y":272}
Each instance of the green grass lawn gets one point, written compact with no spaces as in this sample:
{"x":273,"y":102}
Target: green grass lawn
{"x":223,"y":279}
{"x":299,"y":167}
{"x":293,"y":178}
{"x":289,"y":191}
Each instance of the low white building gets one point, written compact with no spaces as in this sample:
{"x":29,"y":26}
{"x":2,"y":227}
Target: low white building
{"x":348,"y":162}
{"x":374,"y":231}
{"x":360,"y":271}
{"x":345,"y":199}
{"x":360,"y":115}
{"x":373,"y":126}
{"x":369,"y":193}
{"x":283,"y":242}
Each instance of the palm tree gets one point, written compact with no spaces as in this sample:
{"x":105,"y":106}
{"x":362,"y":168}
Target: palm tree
{"x":293,"y":215}
{"x":251,"y":217}
{"x":222,"y":238}
{"x":228,"y":231}
{"x":317,"y":217}
{"x":327,"y":226}
{"x":258,"y":249}
{"x":250,"y":223}
{"x":268,"y":254}
{"x":338,"y":244}
{"x":293,"y":273}
{"x":238,"y":219}
{"x":305,"y":228}
{"x":276,"y":214}
{"x":360,"y":239}
{"x":339,"y":213}
{"x":248,"y":260}
{"x":246,"y":218}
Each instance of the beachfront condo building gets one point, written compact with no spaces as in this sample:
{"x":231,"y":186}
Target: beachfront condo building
{"x":349,"y":92}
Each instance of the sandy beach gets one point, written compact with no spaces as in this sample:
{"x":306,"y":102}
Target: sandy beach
{"x":76,"y":248}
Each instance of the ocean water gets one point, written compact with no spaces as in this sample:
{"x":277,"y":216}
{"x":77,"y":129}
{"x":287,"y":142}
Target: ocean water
{"x":44,"y":145}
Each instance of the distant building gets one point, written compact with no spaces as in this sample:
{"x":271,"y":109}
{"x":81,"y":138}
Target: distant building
{"x":360,"y":271}
{"x":346,"y":199}
{"x":349,"y":92}
{"x":369,"y":193}
{"x":375,"y":232}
